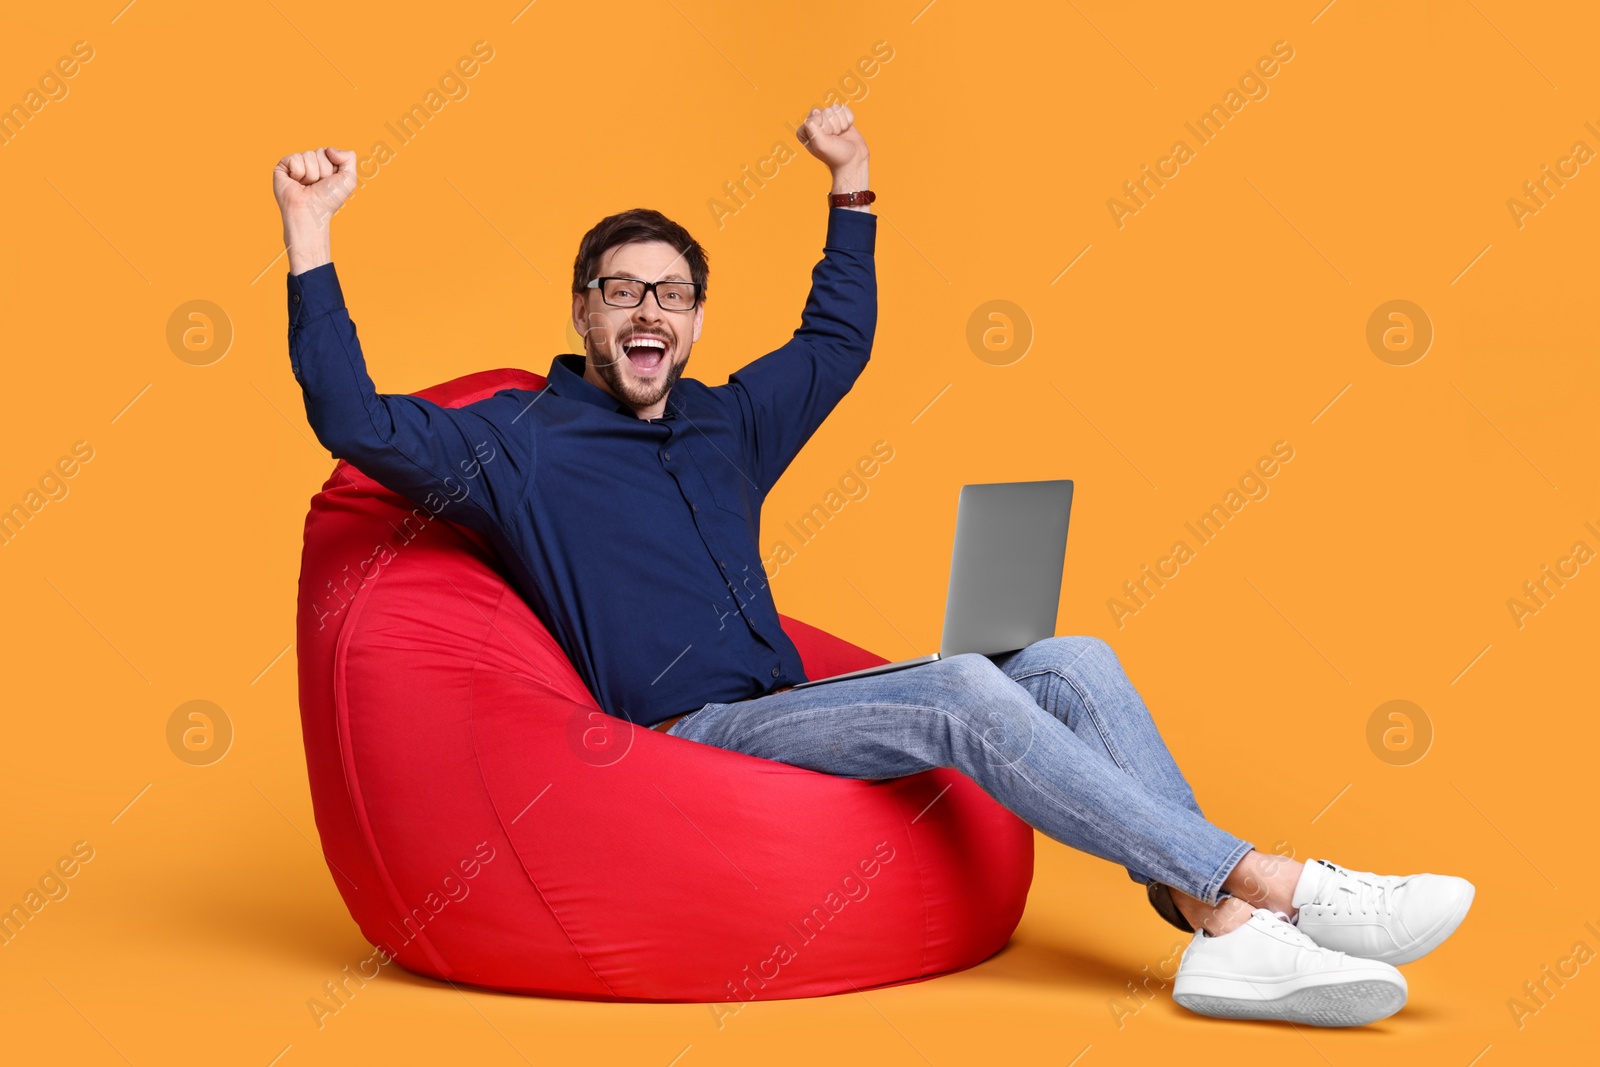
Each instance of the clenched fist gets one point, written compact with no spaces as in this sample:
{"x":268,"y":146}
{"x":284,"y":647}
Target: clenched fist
{"x":310,"y":187}
{"x":832,"y":137}
{"x":314,"y":183}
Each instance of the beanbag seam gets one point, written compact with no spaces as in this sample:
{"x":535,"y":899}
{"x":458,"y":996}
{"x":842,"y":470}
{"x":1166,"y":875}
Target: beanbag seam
{"x":922,"y":894}
{"x":352,"y":781}
{"x":505,"y":828}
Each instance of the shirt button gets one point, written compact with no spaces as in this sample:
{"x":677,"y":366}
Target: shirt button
{"x":694,"y":509}
{"x":776,"y":671}
{"x":295,"y":299}
{"x":666,"y":455}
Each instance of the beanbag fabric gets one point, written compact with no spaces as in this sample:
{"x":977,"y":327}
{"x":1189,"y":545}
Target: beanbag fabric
{"x":488,"y":824}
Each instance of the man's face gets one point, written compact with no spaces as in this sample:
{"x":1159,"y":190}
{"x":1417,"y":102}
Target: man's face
{"x":619,"y":358}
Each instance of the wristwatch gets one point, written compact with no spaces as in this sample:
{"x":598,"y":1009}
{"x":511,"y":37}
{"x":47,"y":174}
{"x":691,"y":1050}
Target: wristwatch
{"x":855,"y":199}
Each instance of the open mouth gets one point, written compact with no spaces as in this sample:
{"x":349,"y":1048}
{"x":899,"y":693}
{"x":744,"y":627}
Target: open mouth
{"x":646,"y":354}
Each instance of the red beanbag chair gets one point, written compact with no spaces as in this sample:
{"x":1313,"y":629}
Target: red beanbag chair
{"x":486,"y":823}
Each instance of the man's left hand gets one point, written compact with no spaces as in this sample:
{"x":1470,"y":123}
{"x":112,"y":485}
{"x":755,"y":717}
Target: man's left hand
{"x":830,"y":134}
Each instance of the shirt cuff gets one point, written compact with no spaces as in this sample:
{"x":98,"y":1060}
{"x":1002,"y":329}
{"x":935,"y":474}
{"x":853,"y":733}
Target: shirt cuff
{"x":315,"y":292}
{"x":857,"y":230}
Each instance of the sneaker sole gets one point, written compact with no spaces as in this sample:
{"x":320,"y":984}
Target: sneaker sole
{"x":1342,"y":1004}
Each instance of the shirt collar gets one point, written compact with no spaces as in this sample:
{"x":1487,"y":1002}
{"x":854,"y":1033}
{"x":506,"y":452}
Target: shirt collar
{"x":566,"y":379}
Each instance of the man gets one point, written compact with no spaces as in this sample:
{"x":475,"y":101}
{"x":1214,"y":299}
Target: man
{"x":625,"y":501}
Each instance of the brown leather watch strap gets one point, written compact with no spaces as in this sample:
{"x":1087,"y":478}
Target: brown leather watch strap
{"x":855,"y":199}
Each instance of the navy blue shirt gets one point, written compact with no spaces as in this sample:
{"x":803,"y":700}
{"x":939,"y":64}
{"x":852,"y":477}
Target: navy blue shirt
{"x":633,"y":540}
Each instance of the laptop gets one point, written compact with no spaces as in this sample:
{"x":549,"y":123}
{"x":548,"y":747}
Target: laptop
{"x":1005,"y":572}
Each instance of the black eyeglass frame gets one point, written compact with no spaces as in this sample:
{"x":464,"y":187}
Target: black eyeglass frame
{"x":649,"y":290}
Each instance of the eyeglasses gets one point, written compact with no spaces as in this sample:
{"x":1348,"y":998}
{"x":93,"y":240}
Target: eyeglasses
{"x":629,"y":293}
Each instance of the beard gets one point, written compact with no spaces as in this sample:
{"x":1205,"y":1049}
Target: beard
{"x":636,"y":392}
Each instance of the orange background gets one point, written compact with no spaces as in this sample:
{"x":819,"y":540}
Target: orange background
{"x":1230,"y":312}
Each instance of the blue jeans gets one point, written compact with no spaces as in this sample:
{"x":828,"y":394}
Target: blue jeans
{"x":1055,"y":732}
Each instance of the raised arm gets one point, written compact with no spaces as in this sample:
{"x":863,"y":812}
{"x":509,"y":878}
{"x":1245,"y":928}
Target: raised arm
{"x":470,"y":463}
{"x":786,"y":394}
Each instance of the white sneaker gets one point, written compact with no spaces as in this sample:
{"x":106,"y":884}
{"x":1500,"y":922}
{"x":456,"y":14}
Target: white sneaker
{"x":1379,"y":917}
{"x":1266,"y":969}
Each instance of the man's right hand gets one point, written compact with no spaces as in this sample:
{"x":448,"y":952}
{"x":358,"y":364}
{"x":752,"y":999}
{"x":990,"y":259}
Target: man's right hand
{"x":310,"y":187}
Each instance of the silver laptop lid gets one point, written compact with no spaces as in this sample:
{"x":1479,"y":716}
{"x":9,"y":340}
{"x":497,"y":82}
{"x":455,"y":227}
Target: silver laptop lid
{"x":1005,"y":572}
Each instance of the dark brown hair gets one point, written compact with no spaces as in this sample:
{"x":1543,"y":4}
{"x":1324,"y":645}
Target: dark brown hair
{"x":636,"y":224}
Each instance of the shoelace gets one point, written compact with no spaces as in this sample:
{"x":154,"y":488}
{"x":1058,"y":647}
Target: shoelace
{"x":1356,"y":891}
{"x":1283,"y":931}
